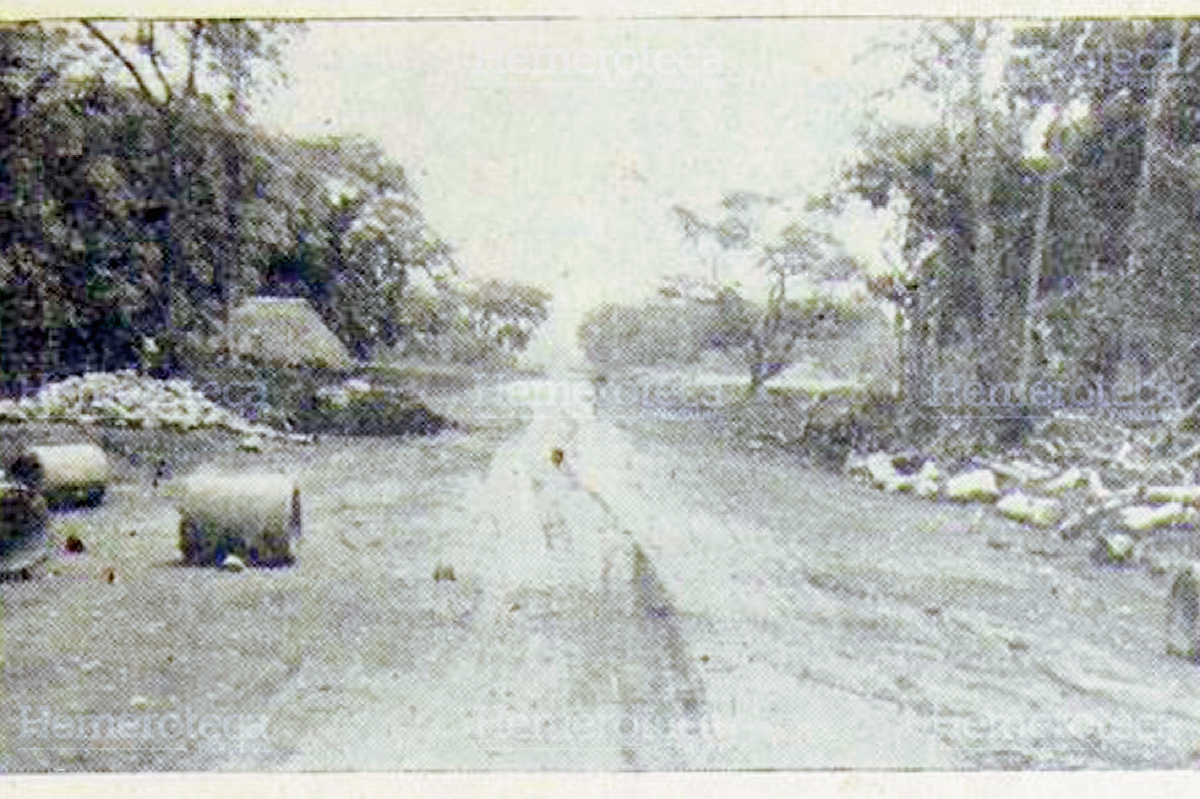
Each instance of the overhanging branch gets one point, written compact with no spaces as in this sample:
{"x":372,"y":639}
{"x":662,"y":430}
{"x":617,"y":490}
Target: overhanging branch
{"x":116,"y":51}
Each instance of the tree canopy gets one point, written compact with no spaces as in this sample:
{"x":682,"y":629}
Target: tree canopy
{"x":139,"y":200}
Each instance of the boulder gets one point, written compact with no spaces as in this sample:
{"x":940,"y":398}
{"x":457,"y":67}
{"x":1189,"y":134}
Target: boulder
{"x":1183,"y":614}
{"x":1096,"y":490}
{"x":11,"y":412}
{"x":881,"y":469}
{"x":926,"y":483}
{"x":856,"y":467}
{"x":976,"y":485}
{"x":1188,"y":495}
{"x":1021,"y":473}
{"x":1073,"y":525}
{"x":1045,"y":450}
{"x":1116,"y":548}
{"x":926,"y":489}
{"x":251,"y":443}
{"x":1140,"y":518}
{"x":1068,"y":480}
{"x":1038,"y":511}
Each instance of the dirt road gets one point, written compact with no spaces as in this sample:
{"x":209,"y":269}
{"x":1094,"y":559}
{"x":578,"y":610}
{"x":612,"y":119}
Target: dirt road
{"x":658,"y":598}
{"x":658,"y":601}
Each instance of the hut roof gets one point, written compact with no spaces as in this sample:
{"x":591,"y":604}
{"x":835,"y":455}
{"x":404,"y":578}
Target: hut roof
{"x":285,"y":331}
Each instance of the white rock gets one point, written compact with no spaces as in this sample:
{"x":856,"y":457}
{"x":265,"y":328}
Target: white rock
{"x":1072,"y":526}
{"x":1096,"y":489}
{"x":1189,"y":495}
{"x":1140,"y":518}
{"x":231,"y":563}
{"x":855,"y":466}
{"x":251,"y":443}
{"x":979,"y":484}
{"x":1069,"y":479}
{"x":925,"y":485}
{"x":1038,"y":511}
{"x":926,"y":489}
{"x":882,"y":470}
{"x":1117,"y":548}
{"x":1022,"y":472}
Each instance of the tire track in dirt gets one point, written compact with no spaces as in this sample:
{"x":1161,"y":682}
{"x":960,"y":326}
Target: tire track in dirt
{"x":618,"y":653}
{"x":573,"y":658}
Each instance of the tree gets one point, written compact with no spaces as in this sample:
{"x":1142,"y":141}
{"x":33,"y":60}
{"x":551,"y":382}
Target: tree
{"x":131,"y":166}
{"x":506,"y":314}
{"x":355,"y":237}
{"x":971,"y":205}
{"x":179,"y":68}
{"x":786,"y":244}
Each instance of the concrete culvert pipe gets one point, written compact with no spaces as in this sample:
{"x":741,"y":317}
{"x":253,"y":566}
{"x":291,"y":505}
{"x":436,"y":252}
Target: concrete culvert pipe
{"x":1183,"y":614}
{"x":23,"y":535}
{"x":67,"y":474}
{"x":255,"y":517}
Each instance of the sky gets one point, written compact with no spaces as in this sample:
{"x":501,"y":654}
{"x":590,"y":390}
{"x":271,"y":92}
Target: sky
{"x":552,"y":152}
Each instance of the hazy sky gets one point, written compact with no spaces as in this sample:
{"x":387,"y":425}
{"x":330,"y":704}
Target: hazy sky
{"x":567,"y":179}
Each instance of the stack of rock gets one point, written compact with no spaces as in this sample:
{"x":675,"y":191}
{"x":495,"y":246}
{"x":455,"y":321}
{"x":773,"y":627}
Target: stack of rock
{"x":126,"y":399}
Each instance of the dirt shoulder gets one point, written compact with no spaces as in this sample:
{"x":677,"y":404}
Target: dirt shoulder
{"x":1008,"y":643}
{"x":267,"y":652}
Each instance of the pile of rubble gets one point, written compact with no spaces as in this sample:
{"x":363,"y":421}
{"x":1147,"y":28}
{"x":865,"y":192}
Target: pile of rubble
{"x":359,"y":407}
{"x":1076,"y":475}
{"x":127,"y":399}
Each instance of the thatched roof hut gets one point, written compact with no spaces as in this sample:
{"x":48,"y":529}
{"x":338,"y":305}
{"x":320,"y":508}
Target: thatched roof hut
{"x":285,"y":331}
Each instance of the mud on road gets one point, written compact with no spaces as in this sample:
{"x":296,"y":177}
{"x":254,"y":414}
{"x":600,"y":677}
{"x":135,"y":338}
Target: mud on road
{"x":657,"y":597}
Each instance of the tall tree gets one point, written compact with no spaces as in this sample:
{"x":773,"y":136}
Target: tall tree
{"x":177,"y":68}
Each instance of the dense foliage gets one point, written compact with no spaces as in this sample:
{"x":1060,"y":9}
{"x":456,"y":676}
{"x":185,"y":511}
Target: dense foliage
{"x":138,"y":201}
{"x":1052,"y":228}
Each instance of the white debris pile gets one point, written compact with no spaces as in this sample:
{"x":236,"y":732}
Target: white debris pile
{"x":126,"y":399}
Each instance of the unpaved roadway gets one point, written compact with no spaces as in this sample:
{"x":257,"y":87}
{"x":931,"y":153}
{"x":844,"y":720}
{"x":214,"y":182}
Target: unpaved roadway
{"x":660,"y":599}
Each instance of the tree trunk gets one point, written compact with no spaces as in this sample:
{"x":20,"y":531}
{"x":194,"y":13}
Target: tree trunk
{"x":914,"y":360}
{"x":985,"y":257}
{"x":171,"y":251}
{"x":1033,"y":278}
{"x":229,"y":274}
{"x":35,"y":346}
{"x":758,"y":365}
{"x":1156,"y":148}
